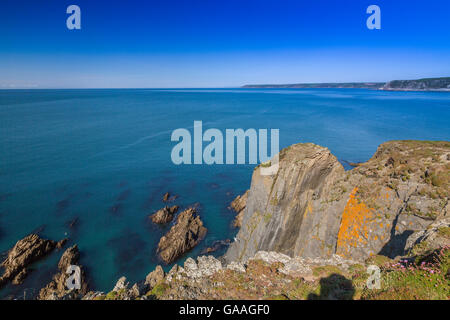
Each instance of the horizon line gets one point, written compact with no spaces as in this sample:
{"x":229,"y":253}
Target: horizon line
{"x":219,"y":87}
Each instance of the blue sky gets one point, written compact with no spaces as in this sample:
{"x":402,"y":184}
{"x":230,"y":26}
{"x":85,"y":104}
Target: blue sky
{"x":215,"y":43}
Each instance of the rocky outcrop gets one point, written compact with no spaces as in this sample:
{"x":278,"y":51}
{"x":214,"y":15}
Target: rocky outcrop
{"x":167,"y":197}
{"x":301,"y":267}
{"x":57,"y":289}
{"x":273,"y":275}
{"x":207,"y":278}
{"x":25,"y":252}
{"x":122,"y":291}
{"x":238,"y":205}
{"x":155,"y":277}
{"x":182,"y":237}
{"x":164,"y":215}
{"x":312,"y":208}
{"x":286,"y":212}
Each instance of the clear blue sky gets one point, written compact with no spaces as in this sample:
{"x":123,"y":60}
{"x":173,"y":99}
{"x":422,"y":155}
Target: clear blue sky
{"x":214,"y":43}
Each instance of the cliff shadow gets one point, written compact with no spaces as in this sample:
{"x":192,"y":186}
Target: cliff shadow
{"x":396,"y":245}
{"x":397,"y":242}
{"x":334,"y":287}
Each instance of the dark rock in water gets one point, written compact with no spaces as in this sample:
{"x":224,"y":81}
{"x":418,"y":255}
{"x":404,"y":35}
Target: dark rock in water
{"x":124,"y":195}
{"x":39,"y":229}
{"x":73,"y":223}
{"x":238,"y":205}
{"x":217,"y":245}
{"x":166,"y":197}
{"x":88,"y":194}
{"x":57,"y":288}
{"x":25,"y":251}
{"x":164,"y":215}
{"x":169,"y":198}
{"x":116,"y":209}
{"x":60,"y":244}
{"x":213,"y":185}
{"x":123,"y":184}
{"x":62,"y":206}
{"x":4,"y":196}
{"x":182,"y":237}
{"x":128,"y":249}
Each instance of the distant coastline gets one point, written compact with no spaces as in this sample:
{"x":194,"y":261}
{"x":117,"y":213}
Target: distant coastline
{"x":426,"y":84}
{"x":344,"y":85}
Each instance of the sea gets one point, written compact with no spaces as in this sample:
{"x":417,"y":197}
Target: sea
{"x":92,"y":165}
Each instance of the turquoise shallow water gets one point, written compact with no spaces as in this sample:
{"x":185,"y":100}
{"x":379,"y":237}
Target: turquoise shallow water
{"x":102,"y":157}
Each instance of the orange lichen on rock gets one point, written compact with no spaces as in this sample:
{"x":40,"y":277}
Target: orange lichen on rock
{"x":307,"y":210}
{"x":354,"y":228}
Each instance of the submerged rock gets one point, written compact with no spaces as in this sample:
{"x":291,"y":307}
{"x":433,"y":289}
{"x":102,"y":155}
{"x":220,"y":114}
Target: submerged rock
{"x":182,"y":237}
{"x":164,"y":215}
{"x":25,"y":252}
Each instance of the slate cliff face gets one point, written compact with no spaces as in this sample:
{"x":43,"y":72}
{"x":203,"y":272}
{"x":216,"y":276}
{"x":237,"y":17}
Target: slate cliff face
{"x":286,"y":213}
{"x":313,"y":208}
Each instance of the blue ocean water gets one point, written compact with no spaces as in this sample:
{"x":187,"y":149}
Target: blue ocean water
{"x":100,"y":160}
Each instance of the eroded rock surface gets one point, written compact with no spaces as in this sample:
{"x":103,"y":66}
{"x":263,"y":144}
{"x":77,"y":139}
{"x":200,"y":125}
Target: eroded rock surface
{"x":312,"y":208}
{"x":155,"y":277}
{"x":182,"y":237}
{"x":25,"y":252}
{"x":238,"y":205}
{"x":286,"y":212}
{"x":164,"y":215}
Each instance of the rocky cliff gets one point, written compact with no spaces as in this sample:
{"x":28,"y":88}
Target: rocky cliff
{"x":440,"y":84}
{"x":310,"y":231}
{"x":313,"y":208}
{"x":24,"y":253}
{"x":426,"y":84}
{"x":272,"y":275}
